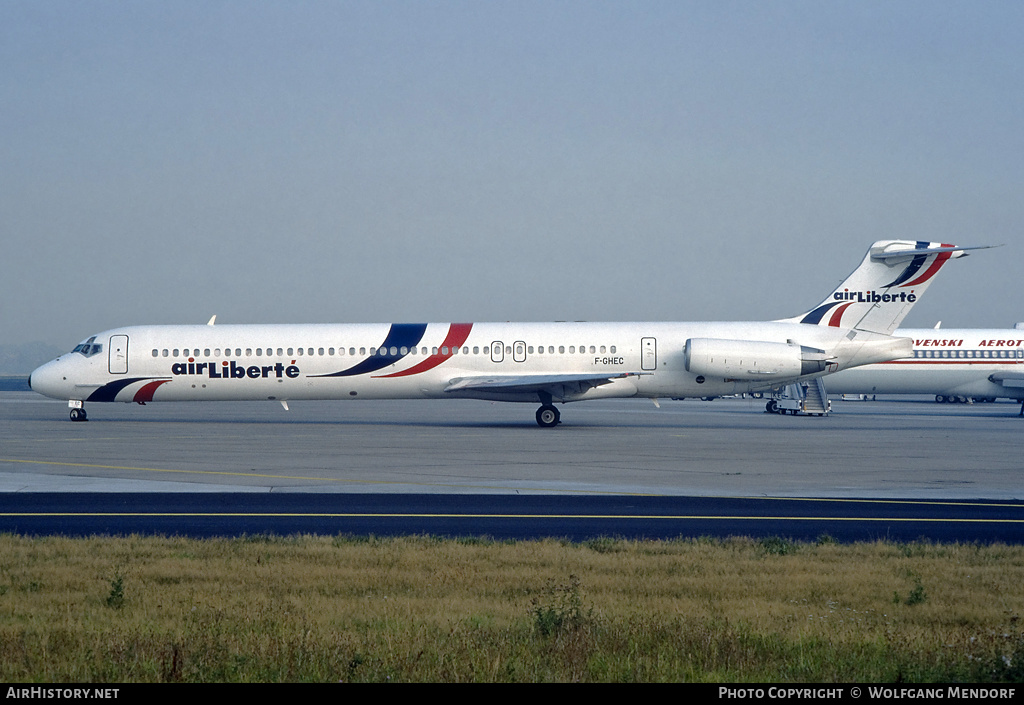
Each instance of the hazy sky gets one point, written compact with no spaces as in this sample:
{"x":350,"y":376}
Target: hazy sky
{"x":161,"y":162}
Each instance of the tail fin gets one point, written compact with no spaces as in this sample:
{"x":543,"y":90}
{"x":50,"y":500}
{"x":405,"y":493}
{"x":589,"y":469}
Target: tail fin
{"x":881,"y":291}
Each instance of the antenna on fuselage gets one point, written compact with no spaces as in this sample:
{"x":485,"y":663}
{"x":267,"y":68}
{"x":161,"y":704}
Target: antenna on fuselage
{"x":212,"y":319}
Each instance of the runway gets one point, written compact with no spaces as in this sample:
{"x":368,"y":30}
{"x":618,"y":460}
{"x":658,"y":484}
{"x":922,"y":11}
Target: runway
{"x":571,"y":517}
{"x":905,"y":450}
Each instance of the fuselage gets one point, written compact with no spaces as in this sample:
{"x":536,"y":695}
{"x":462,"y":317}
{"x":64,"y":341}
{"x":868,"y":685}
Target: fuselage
{"x":523,"y":362}
{"x":973,"y":363}
{"x":419,"y":361}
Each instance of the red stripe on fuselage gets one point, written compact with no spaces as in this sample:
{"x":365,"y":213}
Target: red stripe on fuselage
{"x":146,"y":393}
{"x":457,"y":335}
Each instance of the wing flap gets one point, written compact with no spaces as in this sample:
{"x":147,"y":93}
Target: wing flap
{"x":553,"y":384}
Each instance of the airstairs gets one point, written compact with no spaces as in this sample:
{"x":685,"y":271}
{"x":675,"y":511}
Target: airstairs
{"x":807,"y":397}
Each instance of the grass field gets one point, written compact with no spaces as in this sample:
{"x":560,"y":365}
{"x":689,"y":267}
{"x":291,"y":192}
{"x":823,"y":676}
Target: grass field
{"x":309,"y":608}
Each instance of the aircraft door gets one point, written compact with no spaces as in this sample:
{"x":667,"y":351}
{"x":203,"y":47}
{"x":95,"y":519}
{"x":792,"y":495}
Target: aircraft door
{"x":519,"y":351}
{"x":118,"y":362}
{"x":648,"y":354}
{"x":497,"y":351}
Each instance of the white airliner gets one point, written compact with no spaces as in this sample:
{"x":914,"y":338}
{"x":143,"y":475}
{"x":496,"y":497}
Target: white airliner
{"x":956,"y":365}
{"x":516,"y":362}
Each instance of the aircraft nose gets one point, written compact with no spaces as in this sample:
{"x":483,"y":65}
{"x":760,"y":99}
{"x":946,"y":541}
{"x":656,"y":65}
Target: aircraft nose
{"x":50,"y":380}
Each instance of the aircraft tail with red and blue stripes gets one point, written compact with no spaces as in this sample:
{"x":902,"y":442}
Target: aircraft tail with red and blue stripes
{"x":879,"y":294}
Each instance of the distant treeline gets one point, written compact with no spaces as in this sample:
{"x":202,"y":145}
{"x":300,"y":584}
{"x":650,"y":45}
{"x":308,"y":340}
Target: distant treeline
{"x":21,"y":359}
{"x":14,"y":384}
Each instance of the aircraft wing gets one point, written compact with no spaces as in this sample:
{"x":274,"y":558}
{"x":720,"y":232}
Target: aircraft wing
{"x":1008,"y":379}
{"x":558,"y":386}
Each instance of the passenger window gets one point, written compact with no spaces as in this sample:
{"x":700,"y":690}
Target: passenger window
{"x":156,"y":352}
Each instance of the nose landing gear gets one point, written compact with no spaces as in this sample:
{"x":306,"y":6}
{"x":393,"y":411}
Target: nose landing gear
{"x":77,"y":411}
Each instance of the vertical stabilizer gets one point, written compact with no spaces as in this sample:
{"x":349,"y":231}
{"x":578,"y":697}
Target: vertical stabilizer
{"x":882,"y":290}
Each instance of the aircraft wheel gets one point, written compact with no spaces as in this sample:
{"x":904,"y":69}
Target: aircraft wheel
{"x":548,"y":416}
{"x":939,"y":398}
{"x":78,"y":415}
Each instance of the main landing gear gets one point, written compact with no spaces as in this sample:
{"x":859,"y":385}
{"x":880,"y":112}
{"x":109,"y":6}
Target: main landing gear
{"x":548,"y":416}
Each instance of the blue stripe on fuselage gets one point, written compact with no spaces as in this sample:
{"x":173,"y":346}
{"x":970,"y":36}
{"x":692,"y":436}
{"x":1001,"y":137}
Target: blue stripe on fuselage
{"x":401,"y":335}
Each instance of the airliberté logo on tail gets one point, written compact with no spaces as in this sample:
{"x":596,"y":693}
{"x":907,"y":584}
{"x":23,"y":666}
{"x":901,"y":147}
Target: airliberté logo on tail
{"x":873,"y":297}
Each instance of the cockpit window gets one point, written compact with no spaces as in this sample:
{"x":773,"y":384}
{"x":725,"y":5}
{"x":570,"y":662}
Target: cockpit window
{"x":89,"y":347}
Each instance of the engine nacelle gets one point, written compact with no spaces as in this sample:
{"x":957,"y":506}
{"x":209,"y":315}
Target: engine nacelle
{"x":751,"y":359}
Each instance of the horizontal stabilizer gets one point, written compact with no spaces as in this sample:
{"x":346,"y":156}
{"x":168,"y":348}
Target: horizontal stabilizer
{"x":897,"y":255}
